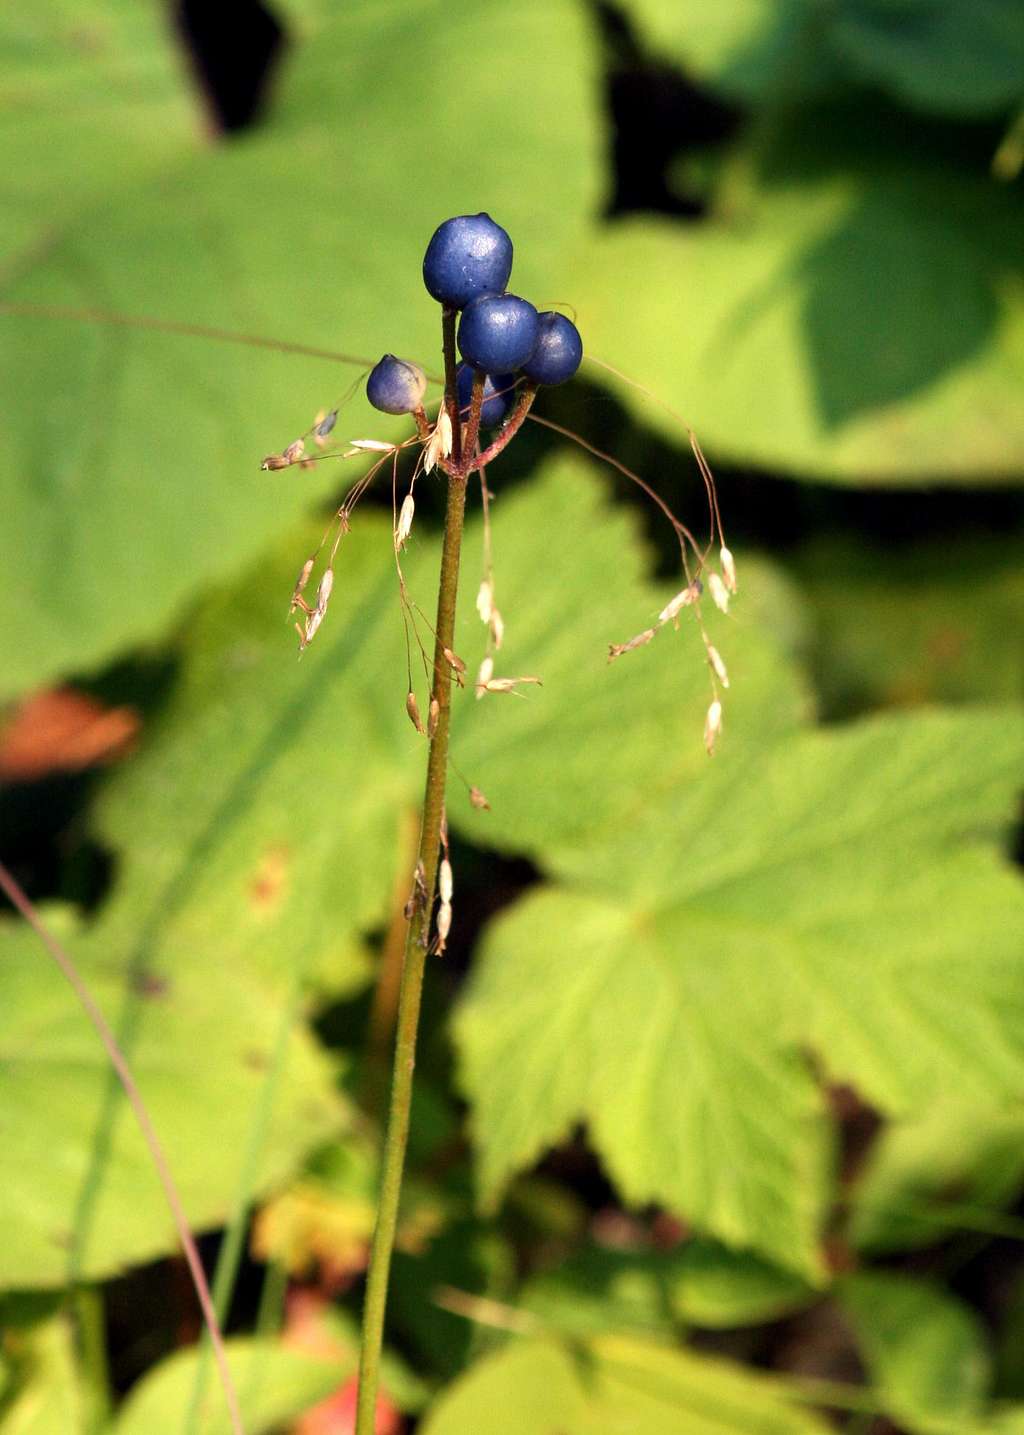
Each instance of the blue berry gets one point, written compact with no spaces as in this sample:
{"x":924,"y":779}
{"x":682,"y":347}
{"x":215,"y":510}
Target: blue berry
{"x":559,"y":350}
{"x":498,"y":333}
{"x":395,"y":386}
{"x":466,"y":257}
{"x":499,"y":395}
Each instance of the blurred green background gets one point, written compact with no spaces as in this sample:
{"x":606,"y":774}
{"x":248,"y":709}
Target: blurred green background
{"x":719,"y":1121}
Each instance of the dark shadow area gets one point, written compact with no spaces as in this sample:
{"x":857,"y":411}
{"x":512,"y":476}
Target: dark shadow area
{"x":657,"y":116}
{"x":234,"y":50}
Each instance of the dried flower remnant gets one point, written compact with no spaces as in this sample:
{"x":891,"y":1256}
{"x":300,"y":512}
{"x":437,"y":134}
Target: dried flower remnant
{"x":715,"y":659}
{"x":478,"y":800}
{"x":404,"y":526}
{"x":300,"y":583}
{"x":323,"y":427}
{"x":719,"y":592}
{"x":712,"y":726}
{"x":508,"y":685}
{"x":412,"y":707}
{"x":616,"y":650}
{"x":433,"y":713}
{"x":484,"y":676}
{"x":683,"y":599}
{"x":439,"y":444}
{"x":456,"y":664}
{"x":485,"y":601}
{"x":371,"y":445}
{"x":728,"y":568}
{"x":316,"y":617}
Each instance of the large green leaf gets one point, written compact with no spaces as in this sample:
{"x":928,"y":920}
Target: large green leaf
{"x":612,"y":1383}
{"x":45,"y":1392}
{"x":275,"y":1384}
{"x":92,"y":98}
{"x":953,"y":1167}
{"x":812,"y":894}
{"x":926,"y":624}
{"x":856,"y":314}
{"x":131,"y":474}
{"x":257,"y":836}
{"x":959,"y":57}
{"x":924,"y":1350}
{"x":646,"y":1292}
{"x":79,"y":1188}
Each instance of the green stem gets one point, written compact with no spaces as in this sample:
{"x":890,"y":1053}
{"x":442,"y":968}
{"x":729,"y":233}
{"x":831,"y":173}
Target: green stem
{"x":417,"y":936}
{"x":92,"y":1348}
{"x":230,"y":1256}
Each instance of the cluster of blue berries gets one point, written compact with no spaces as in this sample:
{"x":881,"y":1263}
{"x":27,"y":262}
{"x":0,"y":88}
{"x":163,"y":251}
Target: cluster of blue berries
{"x":466,"y":267}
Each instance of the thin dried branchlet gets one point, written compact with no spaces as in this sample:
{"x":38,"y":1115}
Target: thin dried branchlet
{"x":712,"y":726}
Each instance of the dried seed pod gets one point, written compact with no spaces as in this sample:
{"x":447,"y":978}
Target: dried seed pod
{"x":294,"y":451}
{"x":433,"y":713}
{"x":478,"y":800}
{"x":275,"y":461}
{"x":412,"y":708}
{"x":444,"y":882}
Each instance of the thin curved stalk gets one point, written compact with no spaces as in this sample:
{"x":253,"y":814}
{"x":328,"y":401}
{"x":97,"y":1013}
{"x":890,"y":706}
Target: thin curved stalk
{"x":117,"y":1060}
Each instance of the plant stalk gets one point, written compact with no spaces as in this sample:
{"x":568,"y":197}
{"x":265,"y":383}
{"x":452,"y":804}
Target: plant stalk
{"x":418,"y":934}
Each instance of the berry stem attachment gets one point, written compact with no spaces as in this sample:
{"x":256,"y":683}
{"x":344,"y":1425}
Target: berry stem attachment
{"x":511,"y":428}
{"x":418,"y":933}
{"x":473,"y":421}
